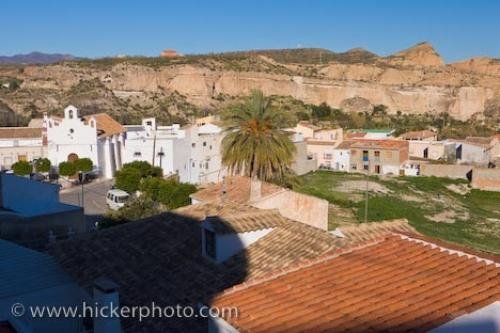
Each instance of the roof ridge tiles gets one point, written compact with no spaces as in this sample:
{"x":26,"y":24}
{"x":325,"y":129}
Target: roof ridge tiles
{"x":301,"y":264}
{"x":459,"y":252}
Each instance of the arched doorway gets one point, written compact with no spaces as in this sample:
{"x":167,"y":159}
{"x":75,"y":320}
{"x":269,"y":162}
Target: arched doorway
{"x":72,"y":157}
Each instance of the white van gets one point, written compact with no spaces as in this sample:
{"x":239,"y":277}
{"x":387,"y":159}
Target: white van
{"x":116,"y":199}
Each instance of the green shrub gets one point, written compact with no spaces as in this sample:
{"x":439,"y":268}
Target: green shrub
{"x":42,"y":165}
{"x":136,"y":209}
{"x":67,"y":169}
{"x":22,"y":168}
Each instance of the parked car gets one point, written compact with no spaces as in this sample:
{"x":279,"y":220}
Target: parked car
{"x":116,"y":199}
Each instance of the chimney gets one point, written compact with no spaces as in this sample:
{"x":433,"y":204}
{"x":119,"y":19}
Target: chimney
{"x":106,"y":295}
{"x":255,"y":189}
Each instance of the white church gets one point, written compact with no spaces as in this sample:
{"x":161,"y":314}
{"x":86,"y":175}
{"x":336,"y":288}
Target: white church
{"x":97,"y":136}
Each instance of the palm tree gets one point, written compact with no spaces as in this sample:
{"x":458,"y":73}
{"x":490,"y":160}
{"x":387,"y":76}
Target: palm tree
{"x":255,"y":144}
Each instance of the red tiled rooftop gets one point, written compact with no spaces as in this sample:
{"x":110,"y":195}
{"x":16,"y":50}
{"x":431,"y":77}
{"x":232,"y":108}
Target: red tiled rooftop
{"x":20,"y":133}
{"x":106,"y":125}
{"x":236,"y":188}
{"x":380,"y":144}
{"x":395,"y":283}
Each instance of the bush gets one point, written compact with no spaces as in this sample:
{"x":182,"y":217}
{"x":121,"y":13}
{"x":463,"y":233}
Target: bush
{"x":170,"y":193}
{"x":42,"y":165}
{"x":67,"y":169}
{"x":22,"y":168}
{"x":83,"y":164}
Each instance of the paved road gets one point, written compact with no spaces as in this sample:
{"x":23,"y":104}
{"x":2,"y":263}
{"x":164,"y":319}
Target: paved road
{"x":94,"y":195}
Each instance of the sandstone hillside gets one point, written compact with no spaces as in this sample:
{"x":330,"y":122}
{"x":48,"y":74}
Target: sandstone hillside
{"x":415,"y":80}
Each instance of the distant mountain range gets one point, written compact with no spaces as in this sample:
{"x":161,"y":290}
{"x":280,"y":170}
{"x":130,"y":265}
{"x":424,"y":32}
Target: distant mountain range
{"x":35,"y":58}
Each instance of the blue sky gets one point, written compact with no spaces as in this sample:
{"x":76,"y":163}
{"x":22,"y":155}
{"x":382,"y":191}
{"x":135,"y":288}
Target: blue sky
{"x":457,"y":29}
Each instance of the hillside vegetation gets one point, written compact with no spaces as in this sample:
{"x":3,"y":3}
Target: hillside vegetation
{"x":439,"y":207}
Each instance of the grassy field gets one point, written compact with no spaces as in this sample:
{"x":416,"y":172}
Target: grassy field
{"x":440,"y":207}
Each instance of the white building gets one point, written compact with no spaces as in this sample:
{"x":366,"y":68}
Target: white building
{"x":20,"y":144}
{"x":159,"y":145}
{"x":192,"y":153}
{"x":98,"y":137}
{"x":341,"y":155}
{"x":205,"y":160}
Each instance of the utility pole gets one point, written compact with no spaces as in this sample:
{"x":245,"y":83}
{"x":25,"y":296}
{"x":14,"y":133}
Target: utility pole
{"x":367,"y":188}
{"x":80,"y":178}
{"x":154,"y":145}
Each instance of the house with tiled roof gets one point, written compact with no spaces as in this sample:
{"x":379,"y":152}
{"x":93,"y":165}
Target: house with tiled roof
{"x":424,"y":135}
{"x":378,"y":156}
{"x":293,"y":205}
{"x":394,"y":283}
{"x":20,"y":144}
{"x":192,"y":255}
{"x":98,"y":137}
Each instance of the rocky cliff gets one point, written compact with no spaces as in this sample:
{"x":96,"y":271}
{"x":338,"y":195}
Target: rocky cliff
{"x":415,"y":80}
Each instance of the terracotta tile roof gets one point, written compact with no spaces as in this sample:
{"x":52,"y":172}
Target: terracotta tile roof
{"x":391,"y":284}
{"x":20,"y":133}
{"x":355,"y":135}
{"x":155,"y":260}
{"x":380,"y":144}
{"x":159,"y":259}
{"x":237,"y":189}
{"x":346,"y":144}
{"x":417,"y":135}
{"x":106,"y":126}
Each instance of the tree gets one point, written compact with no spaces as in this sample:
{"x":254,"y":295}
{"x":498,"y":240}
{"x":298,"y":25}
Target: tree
{"x":67,"y":169}
{"x":42,"y":165}
{"x":83,"y":164}
{"x":255,"y":144}
{"x":131,"y":174}
{"x":22,"y":168}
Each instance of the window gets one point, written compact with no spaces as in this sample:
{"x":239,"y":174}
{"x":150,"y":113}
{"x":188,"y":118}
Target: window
{"x":365,"y":167}
{"x":354,"y":167}
{"x":193,"y":165}
{"x":70,"y":114}
{"x":377,"y":168}
{"x":137,"y":154}
{"x":206,"y":165}
{"x":353,"y":152}
{"x":327,"y":156}
{"x":210,"y":147}
{"x":204,"y":143}
{"x":365,"y":155}
{"x":377,"y":153}
{"x":193,"y":145}
{"x":71,"y":130}
{"x":210,"y":249}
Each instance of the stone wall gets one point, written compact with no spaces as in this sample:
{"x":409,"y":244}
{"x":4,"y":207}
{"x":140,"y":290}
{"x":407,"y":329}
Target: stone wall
{"x":486,"y":179}
{"x":298,"y":207}
{"x":445,"y":170}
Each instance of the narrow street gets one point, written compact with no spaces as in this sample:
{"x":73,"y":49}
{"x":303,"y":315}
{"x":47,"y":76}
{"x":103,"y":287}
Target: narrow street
{"x":94,"y":197}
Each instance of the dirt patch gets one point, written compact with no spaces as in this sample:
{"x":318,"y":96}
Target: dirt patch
{"x":449,"y":216}
{"x":411,"y":198}
{"x":461,"y":189}
{"x":351,"y":186}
